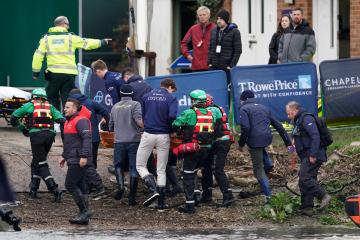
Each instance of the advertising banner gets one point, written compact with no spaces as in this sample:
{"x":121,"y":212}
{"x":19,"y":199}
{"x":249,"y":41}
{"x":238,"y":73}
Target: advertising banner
{"x":275,"y":85}
{"x":212,"y":82}
{"x":98,"y":92}
{"x":340,"y":83}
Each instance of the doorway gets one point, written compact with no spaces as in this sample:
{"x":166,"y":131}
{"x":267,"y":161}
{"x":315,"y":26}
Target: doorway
{"x":344,"y":28}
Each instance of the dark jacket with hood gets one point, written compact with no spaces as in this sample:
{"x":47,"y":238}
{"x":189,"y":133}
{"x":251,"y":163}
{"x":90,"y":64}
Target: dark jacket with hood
{"x":274,"y":47}
{"x":307,"y":137}
{"x":140,"y":87}
{"x":255,"y":121}
{"x":77,"y":139}
{"x":231,"y":48}
{"x":95,"y":109}
{"x":113,"y":82}
{"x":297,"y":44}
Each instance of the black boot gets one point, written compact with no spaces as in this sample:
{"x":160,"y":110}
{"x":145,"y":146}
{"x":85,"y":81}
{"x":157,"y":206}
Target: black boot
{"x":173,"y":181}
{"x":189,"y":208}
{"x":119,"y":173}
{"x":151,"y":185}
{"x":53,"y":188}
{"x":161,"y":199}
{"x":133,"y":188}
{"x":206,"y":196}
{"x":81,"y":202}
{"x":34,"y":186}
{"x":228,"y":199}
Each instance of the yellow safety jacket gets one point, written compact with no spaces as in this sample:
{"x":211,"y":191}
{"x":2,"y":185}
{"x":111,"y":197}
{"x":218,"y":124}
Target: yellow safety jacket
{"x":58,"y":46}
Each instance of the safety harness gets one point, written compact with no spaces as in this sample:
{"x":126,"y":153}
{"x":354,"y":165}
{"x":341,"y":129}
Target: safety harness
{"x":42,"y":117}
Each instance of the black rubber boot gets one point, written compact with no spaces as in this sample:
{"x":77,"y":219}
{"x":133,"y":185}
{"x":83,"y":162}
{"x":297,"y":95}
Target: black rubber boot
{"x":53,"y":187}
{"x":151,"y":185}
{"x":82,"y":203}
{"x":161,"y":199}
{"x":206,"y":196}
{"x":228,"y":199}
{"x":173,"y":181}
{"x":119,"y":173}
{"x":133,"y":189}
{"x":34,"y":186}
{"x":189,"y":208}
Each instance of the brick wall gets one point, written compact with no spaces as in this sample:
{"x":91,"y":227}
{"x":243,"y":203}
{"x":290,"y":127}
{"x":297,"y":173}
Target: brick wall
{"x":355,"y":28}
{"x":306,"y":5}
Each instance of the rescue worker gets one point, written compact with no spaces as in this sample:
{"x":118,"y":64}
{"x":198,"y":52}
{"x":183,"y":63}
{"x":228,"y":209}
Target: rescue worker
{"x":78,"y":155}
{"x":196,"y":128}
{"x":41,"y":116}
{"x":217,"y":159}
{"x":59,"y":45}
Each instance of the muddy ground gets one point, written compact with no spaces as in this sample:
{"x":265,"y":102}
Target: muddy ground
{"x":109,"y":214}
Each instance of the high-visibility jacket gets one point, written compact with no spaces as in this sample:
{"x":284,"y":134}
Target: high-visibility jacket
{"x":58,"y":46}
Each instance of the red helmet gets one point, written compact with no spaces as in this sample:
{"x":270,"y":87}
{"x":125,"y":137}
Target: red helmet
{"x":209,"y":100}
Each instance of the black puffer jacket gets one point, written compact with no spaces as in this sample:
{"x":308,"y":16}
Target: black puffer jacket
{"x":231,"y":48}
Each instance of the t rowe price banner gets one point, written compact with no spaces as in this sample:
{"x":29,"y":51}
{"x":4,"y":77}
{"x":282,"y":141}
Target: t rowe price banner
{"x":340,"y":83}
{"x":212,"y":82}
{"x":276,"y":85}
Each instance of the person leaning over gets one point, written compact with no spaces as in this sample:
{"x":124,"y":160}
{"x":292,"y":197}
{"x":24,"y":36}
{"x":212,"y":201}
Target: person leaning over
{"x":198,"y":37}
{"x":77,"y":154}
{"x":312,"y":155}
{"x":112,"y":80}
{"x":58,"y":45}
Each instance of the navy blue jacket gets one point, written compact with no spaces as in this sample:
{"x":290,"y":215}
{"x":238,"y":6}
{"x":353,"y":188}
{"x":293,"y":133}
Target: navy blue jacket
{"x":95,"y":109}
{"x":255,"y":121}
{"x":113,"y":82}
{"x":159,"y":110}
{"x":140,"y":87}
{"x":307,"y":137}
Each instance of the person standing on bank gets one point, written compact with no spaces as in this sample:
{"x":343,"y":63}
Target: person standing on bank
{"x":284,"y":23}
{"x":298,"y":43}
{"x":198,"y":37}
{"x":113,"y":80}
{"x":312,"y":155}
{"x":78,"y":154}
{"x":159,"y":110}
{"x":59,"y":46}
{"x":255,"y":121}
{"x":126,"y":122}
{"x":41,"y":115}
{"x":225,"y":44}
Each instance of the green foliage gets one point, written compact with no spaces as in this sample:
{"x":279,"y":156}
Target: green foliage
{"x":334,"y":213}
{"x":353,"y":150}
{"x":281,"y":206}
{"x":329,"y":220}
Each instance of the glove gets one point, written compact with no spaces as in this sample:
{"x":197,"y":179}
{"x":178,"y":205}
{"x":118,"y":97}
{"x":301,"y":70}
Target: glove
{"x":291,"y":149}
{"x":25,"y":132}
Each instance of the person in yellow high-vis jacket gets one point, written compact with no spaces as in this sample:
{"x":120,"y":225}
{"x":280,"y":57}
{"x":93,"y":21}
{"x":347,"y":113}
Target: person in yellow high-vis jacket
{"x":58,"y":46}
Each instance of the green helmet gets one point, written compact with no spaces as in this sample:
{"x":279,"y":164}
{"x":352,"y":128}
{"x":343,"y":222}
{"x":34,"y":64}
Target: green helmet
{"x":198,"y":96}
{"x":38,"y":93}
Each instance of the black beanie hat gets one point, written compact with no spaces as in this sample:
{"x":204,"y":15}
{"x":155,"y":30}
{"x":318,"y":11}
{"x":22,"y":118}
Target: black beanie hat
{"x":246,"y":94}
{"x":224,"y":15}
{"x":75,"y":91}
{"x":126,"y":90}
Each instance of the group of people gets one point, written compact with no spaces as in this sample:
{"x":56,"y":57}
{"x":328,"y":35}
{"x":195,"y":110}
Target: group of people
{"x":143,"y":118}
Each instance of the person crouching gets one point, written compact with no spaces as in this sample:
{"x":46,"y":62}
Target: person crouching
{"x":77,"y":153}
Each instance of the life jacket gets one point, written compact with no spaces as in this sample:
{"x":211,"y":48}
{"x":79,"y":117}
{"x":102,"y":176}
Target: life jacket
{"x":225,"y":124}
{"x":203,"y":130}
{"x":41,"y":117}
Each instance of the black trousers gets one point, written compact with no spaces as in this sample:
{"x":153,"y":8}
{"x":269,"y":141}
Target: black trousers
{"x":215,"y":164}
{"x":95,"y":149}
{"x":41,"y":143}
{"x":308,"y":184}
{"x":75,"y":179}
{"x":192,"y":163}
{"x":59,"y":85}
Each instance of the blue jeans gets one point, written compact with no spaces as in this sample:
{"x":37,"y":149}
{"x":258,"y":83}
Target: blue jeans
{"x":123,"y":151}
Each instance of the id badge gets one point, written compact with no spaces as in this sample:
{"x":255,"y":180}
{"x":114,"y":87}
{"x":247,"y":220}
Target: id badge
{"x":218,"y":49}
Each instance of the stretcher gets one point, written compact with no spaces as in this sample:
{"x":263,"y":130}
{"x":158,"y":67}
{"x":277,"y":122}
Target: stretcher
{"x":10,"y":105}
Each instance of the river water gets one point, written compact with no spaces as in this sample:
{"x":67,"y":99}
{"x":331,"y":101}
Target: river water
{"x":330,"y":233}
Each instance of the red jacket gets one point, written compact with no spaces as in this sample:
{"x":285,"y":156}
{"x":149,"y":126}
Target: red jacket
{"x":200,"y":42}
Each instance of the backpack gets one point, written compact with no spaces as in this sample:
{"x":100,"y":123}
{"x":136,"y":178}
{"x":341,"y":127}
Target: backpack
{"x":325,"y":135}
